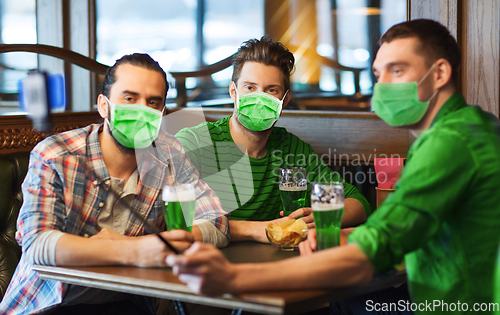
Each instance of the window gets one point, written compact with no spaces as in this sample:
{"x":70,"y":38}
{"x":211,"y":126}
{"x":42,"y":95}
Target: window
{"x":187,"y":34}
{"x":179,"y":35}
{"x":17,"y":25}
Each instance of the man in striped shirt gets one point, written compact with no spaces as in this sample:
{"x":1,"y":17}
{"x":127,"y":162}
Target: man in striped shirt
{"x":239,"y":156}
{"x":70,"y":218}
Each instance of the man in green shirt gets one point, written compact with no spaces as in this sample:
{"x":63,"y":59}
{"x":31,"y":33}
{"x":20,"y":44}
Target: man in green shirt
{"x":239,"y":156}
{"x":444,"y":216}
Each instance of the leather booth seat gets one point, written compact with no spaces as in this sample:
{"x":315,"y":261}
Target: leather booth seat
{"x":13,"y":168}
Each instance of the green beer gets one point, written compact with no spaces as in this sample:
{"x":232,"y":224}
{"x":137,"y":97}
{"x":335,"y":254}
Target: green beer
{"x":179,"y":206}
{"x":327,"y":203}
{"x":292,"y":198}
{"x":328,"y":221}
{"x":293,"y":187}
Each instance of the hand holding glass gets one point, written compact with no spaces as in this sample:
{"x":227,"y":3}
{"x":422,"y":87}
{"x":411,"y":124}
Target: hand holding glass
{"x":293,"y":187}
{"x":327,"y":203}
{"x":179,"y":206}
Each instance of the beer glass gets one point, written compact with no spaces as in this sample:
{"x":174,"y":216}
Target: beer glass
{"x":327,"y":203}
{"x":293,"y":187}
{"x":179,"y":206}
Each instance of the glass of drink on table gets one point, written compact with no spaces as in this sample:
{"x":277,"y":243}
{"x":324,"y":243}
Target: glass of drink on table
{"x":327,"y":203}
{"x":179,"y":206}
{"x":293,"y":187}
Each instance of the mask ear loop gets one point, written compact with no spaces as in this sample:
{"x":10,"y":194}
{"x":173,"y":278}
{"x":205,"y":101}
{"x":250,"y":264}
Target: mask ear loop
{"x":281,"y":102}
{"x":425,"y":76}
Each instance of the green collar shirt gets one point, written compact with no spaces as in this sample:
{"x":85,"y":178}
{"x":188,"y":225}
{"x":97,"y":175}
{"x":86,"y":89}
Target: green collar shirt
{"x":444,"y":217}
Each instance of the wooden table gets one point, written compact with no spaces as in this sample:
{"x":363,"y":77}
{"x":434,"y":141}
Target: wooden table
{"x":161,"y":283}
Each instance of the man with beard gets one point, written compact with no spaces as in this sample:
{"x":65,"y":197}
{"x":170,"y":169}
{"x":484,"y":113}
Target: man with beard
{"x":70,"y":215}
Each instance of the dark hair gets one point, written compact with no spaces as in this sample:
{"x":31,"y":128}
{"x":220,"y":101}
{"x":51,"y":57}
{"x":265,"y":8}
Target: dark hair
{"x":264,"y":51}
{"x":139,"y":60}
{"x":435,"y":42}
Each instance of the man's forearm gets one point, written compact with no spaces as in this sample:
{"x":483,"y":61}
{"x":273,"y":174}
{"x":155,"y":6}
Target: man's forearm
{"x":248,"y":231}
{"x":354,"y":214}
{"x":73,"y":250}
{"x":336,"y":267}
{"x":111,"y":248}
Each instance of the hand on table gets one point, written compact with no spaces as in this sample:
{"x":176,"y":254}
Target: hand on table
{"x":204,"y":269}
{"x":305,"y":213}
{"x":180,"y":239}
{"x":151,"y":251}
{"x":308,"y":246}
{"x":110,"y":248}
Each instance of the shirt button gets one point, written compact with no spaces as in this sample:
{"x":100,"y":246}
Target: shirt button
{"x":95,"y":183}
{"x":101,"y":204}
{"x":107,"y":181}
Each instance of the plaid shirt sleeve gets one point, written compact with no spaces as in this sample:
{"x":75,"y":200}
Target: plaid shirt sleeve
{"x":43,"y":205}
{"x":44,"y":208}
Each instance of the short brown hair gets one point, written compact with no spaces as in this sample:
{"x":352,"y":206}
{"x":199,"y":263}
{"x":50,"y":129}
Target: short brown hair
{"x":264,"y":51}
{"x":435,"y":42}
{"x":139,"y":60}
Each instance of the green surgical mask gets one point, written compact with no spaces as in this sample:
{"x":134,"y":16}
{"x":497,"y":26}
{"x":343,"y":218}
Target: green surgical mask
{"x":134,"y":126}
{"x":397,"y":103}
{"x":258,"y":111}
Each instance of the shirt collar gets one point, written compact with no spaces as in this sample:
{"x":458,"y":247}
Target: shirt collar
{"x":94,"y":156}
{"x":452,"y":104}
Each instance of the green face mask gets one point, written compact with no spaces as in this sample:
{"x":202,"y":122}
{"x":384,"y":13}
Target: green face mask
{"x":258,"y":111}
{"x":397,"y":103}
{"x":134,"y":126}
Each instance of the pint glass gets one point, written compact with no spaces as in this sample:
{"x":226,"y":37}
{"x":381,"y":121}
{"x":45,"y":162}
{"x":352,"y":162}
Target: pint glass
{"x":327,"y":203}
{"x":179,"y":206}
{"x":293,"y":187}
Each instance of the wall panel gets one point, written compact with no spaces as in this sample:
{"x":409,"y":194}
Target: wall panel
{"x":481,"y":52}
{"x":420,"y":9}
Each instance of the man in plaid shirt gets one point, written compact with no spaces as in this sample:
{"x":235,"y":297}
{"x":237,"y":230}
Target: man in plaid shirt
{"x":69,"y":217}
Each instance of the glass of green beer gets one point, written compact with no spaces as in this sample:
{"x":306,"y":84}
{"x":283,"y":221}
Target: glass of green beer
{"x":327,"y":203}
{"x":293,"y":187}
{"x":179,"y":206}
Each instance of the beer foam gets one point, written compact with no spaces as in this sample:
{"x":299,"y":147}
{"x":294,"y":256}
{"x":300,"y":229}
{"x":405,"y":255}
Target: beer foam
{"x":326,"y":206}
{"x":294,"y":188}
{"x":185,"y":195}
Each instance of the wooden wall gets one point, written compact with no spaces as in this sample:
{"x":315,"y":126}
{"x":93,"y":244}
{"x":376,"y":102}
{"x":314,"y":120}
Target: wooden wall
{"x":475,"y":24}
{"x":341,"y":137}
{"x":481,"y":50}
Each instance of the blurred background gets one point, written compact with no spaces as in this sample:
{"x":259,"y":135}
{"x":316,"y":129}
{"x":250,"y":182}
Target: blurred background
{"x":186,"y":35}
